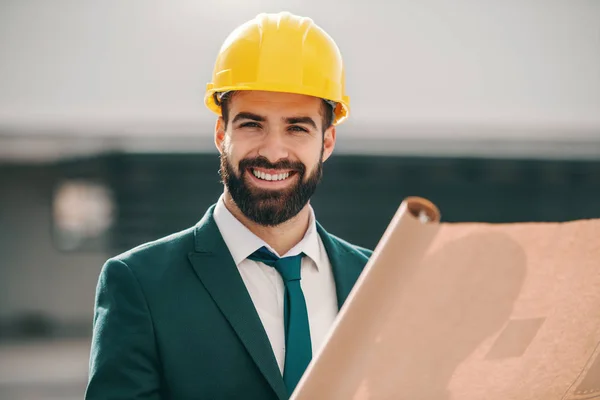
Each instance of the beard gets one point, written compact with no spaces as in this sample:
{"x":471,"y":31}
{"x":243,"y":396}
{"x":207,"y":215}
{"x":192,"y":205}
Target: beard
{"x":269,"y":207}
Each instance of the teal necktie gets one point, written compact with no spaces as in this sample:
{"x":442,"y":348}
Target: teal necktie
{"x":298,"y":349}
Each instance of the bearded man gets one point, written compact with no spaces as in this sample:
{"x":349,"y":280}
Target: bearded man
{"x":236,"y":306}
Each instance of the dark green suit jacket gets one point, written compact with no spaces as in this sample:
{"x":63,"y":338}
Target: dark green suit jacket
{"x":173,"y":320}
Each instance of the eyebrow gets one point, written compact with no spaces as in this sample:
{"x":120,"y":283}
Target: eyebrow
{"x":248,"y":115}
{"x":301,"y":120}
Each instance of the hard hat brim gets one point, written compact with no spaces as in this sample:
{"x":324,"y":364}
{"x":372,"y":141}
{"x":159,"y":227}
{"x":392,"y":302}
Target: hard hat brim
{"x":341,"y":111}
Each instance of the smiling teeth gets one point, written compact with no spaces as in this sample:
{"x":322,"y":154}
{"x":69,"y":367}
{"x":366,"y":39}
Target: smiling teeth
{"x":269,"y":177}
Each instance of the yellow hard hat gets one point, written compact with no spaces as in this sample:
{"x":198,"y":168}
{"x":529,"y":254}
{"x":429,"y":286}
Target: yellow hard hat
{"x":280,"y":53}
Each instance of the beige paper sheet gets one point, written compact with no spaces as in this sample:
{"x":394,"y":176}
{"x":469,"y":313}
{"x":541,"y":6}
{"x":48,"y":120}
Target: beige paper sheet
{"x":470,"y":312}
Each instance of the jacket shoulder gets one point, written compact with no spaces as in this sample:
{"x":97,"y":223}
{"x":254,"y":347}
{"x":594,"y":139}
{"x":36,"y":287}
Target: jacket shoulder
{"x":159,"y":253}
{"x":351,"y":247}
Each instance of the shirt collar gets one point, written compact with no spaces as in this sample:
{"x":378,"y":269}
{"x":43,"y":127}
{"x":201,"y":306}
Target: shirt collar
{"x":242,"y":242}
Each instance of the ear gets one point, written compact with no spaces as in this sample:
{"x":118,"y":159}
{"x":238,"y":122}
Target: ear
{"x":328,"y":142}
{"x":219,"y":134}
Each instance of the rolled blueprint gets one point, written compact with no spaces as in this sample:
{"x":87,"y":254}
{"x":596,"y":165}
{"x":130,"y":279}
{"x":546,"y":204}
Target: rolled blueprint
{"x":469,"y":311}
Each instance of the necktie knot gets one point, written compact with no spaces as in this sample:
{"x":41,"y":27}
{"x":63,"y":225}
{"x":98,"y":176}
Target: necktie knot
{"x":288,"y":267}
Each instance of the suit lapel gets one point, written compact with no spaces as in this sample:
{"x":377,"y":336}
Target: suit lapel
{"x":216,"y":269}
{"x":347,"y":264}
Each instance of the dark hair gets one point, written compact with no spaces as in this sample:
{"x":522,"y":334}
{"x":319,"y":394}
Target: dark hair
{"x":224,"y":100}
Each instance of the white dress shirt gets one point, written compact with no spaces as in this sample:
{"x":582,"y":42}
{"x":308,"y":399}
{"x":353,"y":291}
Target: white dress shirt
{"x":266,"y":287}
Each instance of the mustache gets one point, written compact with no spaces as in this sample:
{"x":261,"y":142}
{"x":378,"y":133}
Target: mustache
{"x":262,"y":162}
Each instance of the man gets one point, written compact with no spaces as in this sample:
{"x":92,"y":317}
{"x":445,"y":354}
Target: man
{"x":236,"y":306}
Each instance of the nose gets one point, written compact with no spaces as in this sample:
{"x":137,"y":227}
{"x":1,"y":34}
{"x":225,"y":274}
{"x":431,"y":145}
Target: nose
{"x":273,"y":147}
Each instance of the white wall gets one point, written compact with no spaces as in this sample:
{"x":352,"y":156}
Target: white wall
{"x":138,"y":65}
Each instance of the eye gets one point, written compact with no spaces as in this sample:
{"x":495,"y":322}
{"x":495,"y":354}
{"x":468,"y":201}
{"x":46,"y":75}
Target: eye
{"x":296,"y":128}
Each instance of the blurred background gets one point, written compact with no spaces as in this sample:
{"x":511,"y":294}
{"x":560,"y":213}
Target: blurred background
{"x":489,"y":109}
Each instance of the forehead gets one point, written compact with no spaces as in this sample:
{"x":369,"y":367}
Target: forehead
{"x":265,"y":103}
